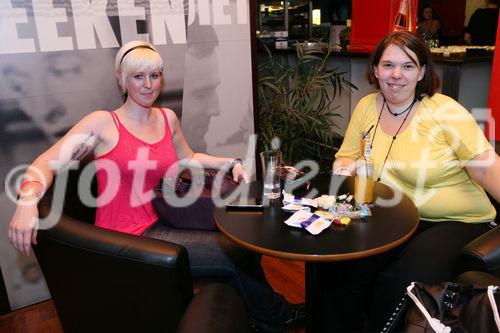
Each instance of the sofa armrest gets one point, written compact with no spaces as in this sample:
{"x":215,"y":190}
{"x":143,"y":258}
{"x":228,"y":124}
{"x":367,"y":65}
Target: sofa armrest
{"x":76,"y":234}
{"x":482,"y":254}
{"x":89,"y":270}
{"x":216,"y":308}
{"x":478,"y":279}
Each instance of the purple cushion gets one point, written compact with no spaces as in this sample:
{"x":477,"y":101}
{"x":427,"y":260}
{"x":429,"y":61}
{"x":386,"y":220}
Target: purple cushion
{"x":198,"y":215}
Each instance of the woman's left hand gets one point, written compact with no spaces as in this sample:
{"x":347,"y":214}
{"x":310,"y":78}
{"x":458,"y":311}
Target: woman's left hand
{"x":239,"y":172}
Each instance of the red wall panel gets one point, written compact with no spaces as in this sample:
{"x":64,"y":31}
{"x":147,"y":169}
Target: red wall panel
{"x":372,"y":20}
{"x":494,"y":97}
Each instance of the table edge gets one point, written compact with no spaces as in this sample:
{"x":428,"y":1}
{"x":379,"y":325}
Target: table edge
{"x":317,"y":257}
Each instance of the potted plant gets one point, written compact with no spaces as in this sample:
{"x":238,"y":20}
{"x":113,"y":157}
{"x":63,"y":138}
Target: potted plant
{"x":296,"y":101}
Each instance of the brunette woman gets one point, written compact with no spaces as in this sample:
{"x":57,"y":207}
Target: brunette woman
{"x":428,"y":146}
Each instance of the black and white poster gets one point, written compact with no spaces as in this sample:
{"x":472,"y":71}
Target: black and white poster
{"x":57,"y":65}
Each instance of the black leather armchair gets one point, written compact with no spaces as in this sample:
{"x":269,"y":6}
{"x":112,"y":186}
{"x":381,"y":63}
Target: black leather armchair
{"x":4,"y":300}
{"x":106,"y":281}
{"x":479,"y":261}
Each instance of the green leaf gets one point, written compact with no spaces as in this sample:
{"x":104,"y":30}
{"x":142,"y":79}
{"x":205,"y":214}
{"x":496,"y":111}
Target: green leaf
{"x":297,"y":104}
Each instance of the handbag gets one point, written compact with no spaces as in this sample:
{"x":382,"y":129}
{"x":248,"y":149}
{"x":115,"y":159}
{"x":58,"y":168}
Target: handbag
{"x":446,"y":308}
{"x":199,"y":214}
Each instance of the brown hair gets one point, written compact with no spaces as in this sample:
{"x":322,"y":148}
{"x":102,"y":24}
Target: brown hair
{"x":407,"y":40}
{"x":421,"y":13}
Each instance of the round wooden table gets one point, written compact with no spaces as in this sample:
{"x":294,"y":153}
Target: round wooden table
{"x":394,"y":219}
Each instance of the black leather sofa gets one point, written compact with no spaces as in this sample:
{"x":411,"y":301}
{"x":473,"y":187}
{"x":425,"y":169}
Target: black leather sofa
{"x":4,"y":300}
{"x":106,"y":281}
{"x":479,"y":261}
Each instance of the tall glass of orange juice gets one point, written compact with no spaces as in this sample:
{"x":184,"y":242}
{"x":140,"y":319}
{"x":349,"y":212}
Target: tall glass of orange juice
{"x":363,"y":188}
{"x":363,"y":181}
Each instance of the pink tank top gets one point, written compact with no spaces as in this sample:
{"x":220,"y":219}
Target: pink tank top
{"x":126,"y":177}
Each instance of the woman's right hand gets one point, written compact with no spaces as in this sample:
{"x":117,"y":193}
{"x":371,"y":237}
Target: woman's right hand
{"x":23,"y":227}
{"x":343,"y":166}
{"x":343,"y":171}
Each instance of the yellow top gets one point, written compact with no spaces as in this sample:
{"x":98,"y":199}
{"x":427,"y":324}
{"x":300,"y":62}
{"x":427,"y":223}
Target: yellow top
{"x":426,"y":161}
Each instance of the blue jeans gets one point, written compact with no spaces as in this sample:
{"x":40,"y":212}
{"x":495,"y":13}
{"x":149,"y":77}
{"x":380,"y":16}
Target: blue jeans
{"x":212,"y":255}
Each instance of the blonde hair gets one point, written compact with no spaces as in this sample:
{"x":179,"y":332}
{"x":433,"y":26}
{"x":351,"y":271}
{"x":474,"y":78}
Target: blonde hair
{"x":136,"y":56}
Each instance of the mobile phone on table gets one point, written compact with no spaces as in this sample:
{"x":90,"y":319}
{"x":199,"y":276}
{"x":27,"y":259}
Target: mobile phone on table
{"x":248,"y":204}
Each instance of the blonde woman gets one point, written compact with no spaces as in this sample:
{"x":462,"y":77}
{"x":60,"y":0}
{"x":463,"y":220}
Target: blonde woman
{"x":144,"y":144}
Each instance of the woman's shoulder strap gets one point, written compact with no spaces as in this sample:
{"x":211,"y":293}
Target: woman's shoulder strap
{"x":115,"y":119}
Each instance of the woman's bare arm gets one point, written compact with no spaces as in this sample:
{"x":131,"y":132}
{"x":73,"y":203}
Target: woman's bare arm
{"x":78,"y":142}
